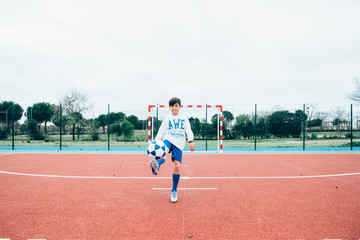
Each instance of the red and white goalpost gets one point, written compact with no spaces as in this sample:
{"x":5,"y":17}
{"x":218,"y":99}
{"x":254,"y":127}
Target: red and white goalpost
{"x":219,"y":108}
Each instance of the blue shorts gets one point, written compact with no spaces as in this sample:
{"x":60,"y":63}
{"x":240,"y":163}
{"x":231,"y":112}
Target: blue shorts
{"x":176,"y":153}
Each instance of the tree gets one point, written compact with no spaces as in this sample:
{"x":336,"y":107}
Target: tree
{"x":248,"y":130}
{"x":143,"y":124}
{"x":336,"y":123}
{"x":228,"y":117}
{"x":55,"y":119}
{"x":115,"y":129}
{"x":118,"y":117}
{"x":127,"y":130}
{"x":75,"y":119}
{"x":296,"y":124}
{"x":338,"y":117}
{"x":278,"y":123}
{"x":214,"y":127}
{"x":32,"y":129}
{"x":355,"y":96}
{"x":323,"y":116}
{"x":243,"y":127}
{"x":75,"y":103}
{"x":3,"y":133}
{"x":103,"y":121}
{"x":41,"y":112}
{"x":134,"y":120}
{"x":317,"y":122}
{"x":338,"y":112}
{"x":262,"y":129}
{"x":195,"y":125}
{"x":93,"y":126}
{"x":311,"y":110}
{"x":114,"y":118}
{"x":285,"y":124}
{"x":6,"y":107}
{"x":207,"y":131}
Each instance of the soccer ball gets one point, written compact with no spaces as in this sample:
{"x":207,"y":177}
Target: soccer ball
{"x":156,"y":150}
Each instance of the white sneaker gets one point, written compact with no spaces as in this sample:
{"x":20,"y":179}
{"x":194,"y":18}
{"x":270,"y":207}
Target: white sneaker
{"x":174,"y":196}
{"x":154,"y":165}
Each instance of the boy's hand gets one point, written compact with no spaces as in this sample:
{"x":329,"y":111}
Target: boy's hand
{"x":191,"y":146}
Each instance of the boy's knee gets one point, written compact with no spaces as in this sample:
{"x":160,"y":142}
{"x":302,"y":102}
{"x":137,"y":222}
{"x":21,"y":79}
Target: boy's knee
{"x":177,"y":166}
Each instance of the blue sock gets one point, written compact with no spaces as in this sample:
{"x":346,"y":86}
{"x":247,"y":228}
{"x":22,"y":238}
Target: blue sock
{"x":176,"y":178}
{"x":161,"y":161}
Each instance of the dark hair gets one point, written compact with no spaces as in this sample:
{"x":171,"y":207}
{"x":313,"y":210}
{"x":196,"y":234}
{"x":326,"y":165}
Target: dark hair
{"x":174,"y":100}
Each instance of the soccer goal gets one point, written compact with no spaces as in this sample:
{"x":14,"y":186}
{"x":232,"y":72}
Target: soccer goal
{"x":204,"y":113}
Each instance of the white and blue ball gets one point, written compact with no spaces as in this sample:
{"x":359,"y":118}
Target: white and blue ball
{"x":156,"y":150}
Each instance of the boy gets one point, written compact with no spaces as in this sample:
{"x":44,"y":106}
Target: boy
{"x":172,"y":133}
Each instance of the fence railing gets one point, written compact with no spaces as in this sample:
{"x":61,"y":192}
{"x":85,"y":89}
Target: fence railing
{"x":245,"y":132}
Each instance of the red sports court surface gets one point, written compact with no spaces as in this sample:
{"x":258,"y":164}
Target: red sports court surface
{"x":221,"y":196}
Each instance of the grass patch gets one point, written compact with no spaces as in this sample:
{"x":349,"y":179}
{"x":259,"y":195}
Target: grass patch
{"x":355,"y":144}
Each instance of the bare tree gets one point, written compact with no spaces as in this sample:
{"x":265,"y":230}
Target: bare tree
{"x":355,"y":96}
{"x":75,"y":103}
{"x":338,"y":114}
{"x":323,"y":116}
{"x":311,"y":110}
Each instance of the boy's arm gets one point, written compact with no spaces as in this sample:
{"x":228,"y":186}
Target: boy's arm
{"x":161,"y":131}
{"x":190,"y":135}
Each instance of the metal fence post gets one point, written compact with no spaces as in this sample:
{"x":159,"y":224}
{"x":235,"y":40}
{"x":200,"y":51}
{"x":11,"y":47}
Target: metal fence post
{"x":255,"y":126}
{"x":351,"y":127}
{"x":13,"y":134}
{"x":304,"y":135}
{"x":108,"y":130}
{"x":61,"y":126}
{"x":206,"y":137}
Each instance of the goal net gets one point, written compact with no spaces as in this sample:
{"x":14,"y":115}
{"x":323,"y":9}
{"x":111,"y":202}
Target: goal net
{"x":206,"y":123}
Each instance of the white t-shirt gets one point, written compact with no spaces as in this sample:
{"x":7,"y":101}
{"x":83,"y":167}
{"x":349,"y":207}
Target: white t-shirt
{"x":173,"y":129}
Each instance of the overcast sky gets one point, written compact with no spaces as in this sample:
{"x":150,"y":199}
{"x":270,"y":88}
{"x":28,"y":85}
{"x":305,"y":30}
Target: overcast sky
{"x":135,"y":53}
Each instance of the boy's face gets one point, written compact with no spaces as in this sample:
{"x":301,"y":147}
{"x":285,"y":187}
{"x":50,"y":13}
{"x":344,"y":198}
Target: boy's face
{"x":175,"y":109}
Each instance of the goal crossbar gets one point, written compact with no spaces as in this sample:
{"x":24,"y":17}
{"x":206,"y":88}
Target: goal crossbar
{"x":219,"y":114}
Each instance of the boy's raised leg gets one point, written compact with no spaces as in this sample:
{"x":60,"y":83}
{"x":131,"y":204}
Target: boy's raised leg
{"x":155,"y":165}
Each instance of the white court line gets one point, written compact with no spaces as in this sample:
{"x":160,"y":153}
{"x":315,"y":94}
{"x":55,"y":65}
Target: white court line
{"x":276,"y":177}
{"x":183,"y":177}
{"x":28,"y":239}
{"x":185,"y":188}
{"x":81,"y":177}
{"x":4,"y":154}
